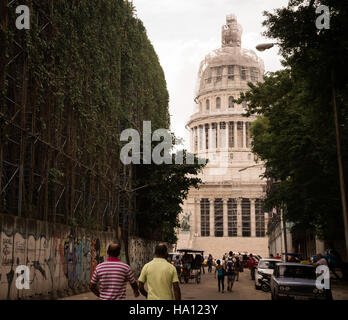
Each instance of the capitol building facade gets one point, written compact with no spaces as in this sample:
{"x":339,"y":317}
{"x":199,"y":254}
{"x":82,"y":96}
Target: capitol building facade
{"x":225,"y":213}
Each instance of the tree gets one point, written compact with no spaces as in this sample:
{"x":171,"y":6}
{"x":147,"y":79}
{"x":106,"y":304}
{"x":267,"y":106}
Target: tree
{"x":159,"y":203}
{"x":296,"y":134}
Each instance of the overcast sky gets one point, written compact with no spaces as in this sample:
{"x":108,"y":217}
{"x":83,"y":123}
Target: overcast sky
{"x":184,"y":31}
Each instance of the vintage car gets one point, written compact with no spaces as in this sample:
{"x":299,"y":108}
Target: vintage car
{"x":265,"y":266}
{"x":295,"y":281}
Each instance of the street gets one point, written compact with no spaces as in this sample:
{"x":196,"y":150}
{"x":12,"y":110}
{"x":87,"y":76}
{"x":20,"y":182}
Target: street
{"x":243,"y":289}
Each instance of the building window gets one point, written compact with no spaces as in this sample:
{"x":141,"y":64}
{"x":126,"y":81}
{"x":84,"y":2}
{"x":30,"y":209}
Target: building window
{"x":231,"y":135}
{"x":218,"y":74}
{"x":207,"y":136}
{"x":218,"y":218}
{"x":254,"y":74}
{"x":218,"y":103}
{"x":246,"y":220}
{"x":244,"y":104}
{"x":232,"y":217}
{"x":222,"y":135}
{"x":230,"y":102}
{"x":243,"y":73}
{"x":240,"y":134}
{"x":259,"y":219}
{"x":230,"y":73}
{"x":205,"y":220}
{"x":207,"y":105}
{"x":208,"y":77}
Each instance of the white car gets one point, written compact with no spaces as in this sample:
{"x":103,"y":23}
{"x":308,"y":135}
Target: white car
{"x":265,"y":266}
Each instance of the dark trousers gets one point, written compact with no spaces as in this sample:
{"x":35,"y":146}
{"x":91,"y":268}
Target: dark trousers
{"x":209,"y":268}
{"x":252,"y":272}
{"x":221,"y":280}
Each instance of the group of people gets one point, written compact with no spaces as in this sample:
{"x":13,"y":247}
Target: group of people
{"x":109,"y":280}
{"x":229,"y":266}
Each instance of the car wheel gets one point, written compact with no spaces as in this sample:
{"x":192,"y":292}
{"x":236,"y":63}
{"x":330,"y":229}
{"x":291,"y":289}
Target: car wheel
{"x":257,"y":287}
{"x":265,"y":288}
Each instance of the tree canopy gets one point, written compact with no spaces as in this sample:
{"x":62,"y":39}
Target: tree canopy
{"x":295,"y":134}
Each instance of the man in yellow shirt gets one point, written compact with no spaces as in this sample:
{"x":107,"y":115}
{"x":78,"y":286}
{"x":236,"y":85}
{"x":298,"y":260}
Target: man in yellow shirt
{"x":160,"y":277}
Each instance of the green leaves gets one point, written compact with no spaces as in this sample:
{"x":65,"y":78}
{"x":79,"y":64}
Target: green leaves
{"x":295,"y":135}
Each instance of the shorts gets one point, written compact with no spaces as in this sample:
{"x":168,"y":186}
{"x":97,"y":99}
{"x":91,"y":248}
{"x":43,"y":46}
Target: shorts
{"x":230,"y":277}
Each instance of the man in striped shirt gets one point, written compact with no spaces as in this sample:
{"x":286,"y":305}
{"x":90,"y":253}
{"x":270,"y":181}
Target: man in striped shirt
{"x":112,"y":276}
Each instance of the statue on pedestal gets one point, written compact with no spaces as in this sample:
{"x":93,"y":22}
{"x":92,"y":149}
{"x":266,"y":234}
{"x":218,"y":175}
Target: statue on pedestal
{"x":185,"y":225}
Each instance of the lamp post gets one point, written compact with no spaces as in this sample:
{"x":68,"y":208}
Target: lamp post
{"x":264,"y":46}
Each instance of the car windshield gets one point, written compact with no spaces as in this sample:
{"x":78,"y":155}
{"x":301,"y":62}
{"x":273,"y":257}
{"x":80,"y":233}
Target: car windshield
{"x":267,"y":264}
{"x":297,"y":272}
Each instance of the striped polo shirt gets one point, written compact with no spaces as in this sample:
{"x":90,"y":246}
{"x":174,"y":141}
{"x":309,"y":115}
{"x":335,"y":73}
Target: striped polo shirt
{"x":112,"y":276}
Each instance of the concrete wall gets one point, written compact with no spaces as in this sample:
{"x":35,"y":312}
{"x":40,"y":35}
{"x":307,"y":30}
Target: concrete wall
{"x":61,"y":259}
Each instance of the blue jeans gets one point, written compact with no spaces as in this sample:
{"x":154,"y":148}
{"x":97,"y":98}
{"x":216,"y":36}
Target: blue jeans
{"x":252,"y":272}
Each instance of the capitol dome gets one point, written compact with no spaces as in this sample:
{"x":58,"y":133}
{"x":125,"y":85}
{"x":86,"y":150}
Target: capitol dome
{"x":226,"y":211}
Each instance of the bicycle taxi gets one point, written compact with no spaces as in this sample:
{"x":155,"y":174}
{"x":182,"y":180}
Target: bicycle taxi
{"x":192,"y":261}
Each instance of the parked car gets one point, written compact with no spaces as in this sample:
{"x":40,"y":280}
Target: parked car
{"x":292,"y":280}
{"x":265,"y":266}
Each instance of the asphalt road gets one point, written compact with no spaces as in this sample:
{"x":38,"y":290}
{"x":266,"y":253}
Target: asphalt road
{"x":244,"y":289}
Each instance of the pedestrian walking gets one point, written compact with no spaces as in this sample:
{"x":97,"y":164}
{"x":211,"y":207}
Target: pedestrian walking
{"x":252,"y":265}
{"x":202,"y":264}
{"x":210,"y":263}
{"x":112,"y":276}
{"x":220,"y":271}
{"x":230,"y":273}
{"x":237,"y":266}
{"x":321,"y":261}
{"x":177,"y":264}
{"x":160,"y":277}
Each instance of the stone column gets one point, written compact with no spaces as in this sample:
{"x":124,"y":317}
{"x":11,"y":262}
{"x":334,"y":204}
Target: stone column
{"x":244,"y":134}
{"x":225,"y":217}
{"x":217,"y":147}
{"x":199,"y":139}
{"x":203,"y":144}
{"x":212,"y":217}
{"x":235,"y":134}
{"x":252,"y":218}
{"x":239,"y":217}
{"x":192,"y":139}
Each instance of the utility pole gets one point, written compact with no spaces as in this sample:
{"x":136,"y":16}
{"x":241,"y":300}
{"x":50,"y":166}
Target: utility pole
{"x":284,"y":233}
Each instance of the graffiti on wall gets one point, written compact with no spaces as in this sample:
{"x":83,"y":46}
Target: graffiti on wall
{"x":59,"y":260}
{"x":56,"y":261}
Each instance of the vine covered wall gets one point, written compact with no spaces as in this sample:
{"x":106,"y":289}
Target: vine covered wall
{"x":83,"y":72}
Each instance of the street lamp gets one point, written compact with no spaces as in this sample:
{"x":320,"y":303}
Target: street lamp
{"x":264,"y":46}
{"x":255,"y":165}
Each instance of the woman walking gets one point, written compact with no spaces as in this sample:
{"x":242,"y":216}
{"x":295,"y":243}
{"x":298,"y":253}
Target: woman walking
{"x":236,"y":267}
{"x":219,"y":269}
{"x":210,"y":263}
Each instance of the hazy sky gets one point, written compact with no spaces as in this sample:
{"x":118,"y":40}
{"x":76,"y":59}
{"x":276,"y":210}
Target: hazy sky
{"x":184,"y":31}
